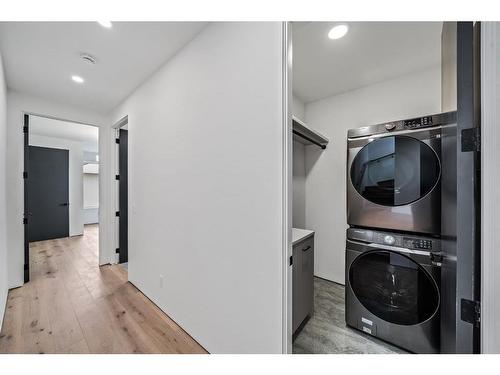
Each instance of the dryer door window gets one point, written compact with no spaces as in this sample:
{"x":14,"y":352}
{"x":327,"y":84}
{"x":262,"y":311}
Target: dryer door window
{"x":395,"y":170}
{"x":394,"y":287}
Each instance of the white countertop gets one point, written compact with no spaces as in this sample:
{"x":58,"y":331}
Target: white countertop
{"x":300,"y":234}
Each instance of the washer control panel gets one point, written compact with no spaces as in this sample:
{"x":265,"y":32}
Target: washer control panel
{"x":395,"y":239}
{"x":418,"y":243}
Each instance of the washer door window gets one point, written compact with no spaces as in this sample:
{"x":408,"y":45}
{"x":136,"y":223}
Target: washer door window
{"x":395,"y":170}
{"x":393,"y":287}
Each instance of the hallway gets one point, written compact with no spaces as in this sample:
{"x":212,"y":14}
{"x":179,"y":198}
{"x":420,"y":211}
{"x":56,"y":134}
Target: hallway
{"x":73,"y":306}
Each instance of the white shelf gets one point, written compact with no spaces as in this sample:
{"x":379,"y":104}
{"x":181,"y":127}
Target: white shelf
{"x":306,"y":135}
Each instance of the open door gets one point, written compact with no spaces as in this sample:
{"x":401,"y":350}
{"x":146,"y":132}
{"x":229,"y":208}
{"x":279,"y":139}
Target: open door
{"x":460,"y":277}
{"x":123,"y":195}
{"x":468,"y":188}
{"x":26,"y":123}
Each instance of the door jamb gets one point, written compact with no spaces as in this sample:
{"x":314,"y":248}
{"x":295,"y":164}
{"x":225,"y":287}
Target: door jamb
{"x":490,"y":177}
{"x":286,"y":250}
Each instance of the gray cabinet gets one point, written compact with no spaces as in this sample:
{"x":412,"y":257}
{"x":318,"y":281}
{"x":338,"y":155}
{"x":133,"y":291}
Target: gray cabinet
{"x":303,"y":281}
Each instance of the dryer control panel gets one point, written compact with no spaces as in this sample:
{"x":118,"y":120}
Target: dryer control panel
{"x":419,"y":122}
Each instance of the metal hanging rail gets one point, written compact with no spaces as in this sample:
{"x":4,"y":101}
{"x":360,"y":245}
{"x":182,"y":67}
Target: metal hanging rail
{"x":296,"y":132}
{"x":312,"y":137}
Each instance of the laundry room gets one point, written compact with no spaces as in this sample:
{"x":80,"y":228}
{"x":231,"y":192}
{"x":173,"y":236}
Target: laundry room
{"x":353,"y":84}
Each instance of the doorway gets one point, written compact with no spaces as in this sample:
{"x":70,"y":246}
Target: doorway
{"x":337,"y":97}
{"x":61,"y":186}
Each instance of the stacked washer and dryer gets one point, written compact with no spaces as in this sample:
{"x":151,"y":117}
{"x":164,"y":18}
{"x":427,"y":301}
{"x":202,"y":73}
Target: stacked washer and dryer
{"x":393,"y":246}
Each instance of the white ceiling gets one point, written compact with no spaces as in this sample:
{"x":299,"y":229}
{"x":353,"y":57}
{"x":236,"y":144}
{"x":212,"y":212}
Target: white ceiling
{"x":41,"y":57}
{"x":88,"y":135}
{"x":371,"y":52}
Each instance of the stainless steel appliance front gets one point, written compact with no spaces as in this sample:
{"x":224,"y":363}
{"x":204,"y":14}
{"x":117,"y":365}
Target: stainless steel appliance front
{"x":393,"y":174}
{"x":393,"y":288}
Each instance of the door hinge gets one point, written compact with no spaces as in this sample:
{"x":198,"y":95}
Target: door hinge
{"x":470,"y":312}
{"x":117,"y":213}
{"x":25,"y":129}
{"x":291,"y":260}
{"x":471,"y":139}
{"x":117,"y":141}
{"x":25,"y":220}
{"x":117,"y":250}
{"x":117,"y":177}
{"x":25,"y":175}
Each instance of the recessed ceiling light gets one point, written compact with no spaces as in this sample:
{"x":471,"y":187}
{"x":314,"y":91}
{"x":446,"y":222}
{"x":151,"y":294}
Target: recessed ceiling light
{"x":77,"y":79}
{"x":106,"y":24}
{"x":338,"y":31}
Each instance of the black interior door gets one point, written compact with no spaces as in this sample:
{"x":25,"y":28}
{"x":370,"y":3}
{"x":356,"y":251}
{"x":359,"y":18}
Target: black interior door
{"x":461,"y":226}
{"x":123,"y":193}
{"x":26,"y":123}
{"x":48,"y":193}
{"x":468,"y":188}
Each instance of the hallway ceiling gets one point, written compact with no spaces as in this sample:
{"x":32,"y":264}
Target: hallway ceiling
{"x":371,"y":52}
{"x":41,"y":57}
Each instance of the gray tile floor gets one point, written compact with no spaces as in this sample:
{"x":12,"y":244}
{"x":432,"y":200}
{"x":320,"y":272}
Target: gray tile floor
{"x":326,"y":331}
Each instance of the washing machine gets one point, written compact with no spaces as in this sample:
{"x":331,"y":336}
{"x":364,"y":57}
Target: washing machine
{"x":392,"y":288}
{"x":394,"y":172}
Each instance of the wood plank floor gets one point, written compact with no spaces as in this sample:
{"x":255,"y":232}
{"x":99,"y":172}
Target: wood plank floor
{"x":71,"y":305}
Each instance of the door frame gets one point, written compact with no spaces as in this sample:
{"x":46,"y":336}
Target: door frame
{"x":287,"y":168}
{"x":490,"y":178}
{"x":102,"y":227}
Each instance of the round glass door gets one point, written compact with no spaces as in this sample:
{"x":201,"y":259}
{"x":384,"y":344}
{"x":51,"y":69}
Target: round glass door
{"x":394,"y":287}
{"x":395,"y":170}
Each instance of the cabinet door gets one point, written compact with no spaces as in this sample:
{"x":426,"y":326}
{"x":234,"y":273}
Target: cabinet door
{"x":303,"y":279}
{"x":307,"y":277}
{"x":296,"y":288}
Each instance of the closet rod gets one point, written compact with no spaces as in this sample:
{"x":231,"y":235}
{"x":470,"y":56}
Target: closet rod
{"x":308,"y":139}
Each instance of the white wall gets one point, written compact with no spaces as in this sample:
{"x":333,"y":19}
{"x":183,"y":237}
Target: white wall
{"x":75,"y":156}
{"x":17,"y":105}
{"x":299,"y":173}
{"x":299,"y":185}
{"x":90,"y":198}
{"x":404,"y":97}
{"x":3,"y":183}
{"x":205,"y":207}
{"x":298,"y":107}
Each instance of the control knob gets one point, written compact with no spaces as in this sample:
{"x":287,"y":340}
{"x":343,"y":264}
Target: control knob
{"x":389,"y":240}
{"x":390,"y":126}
